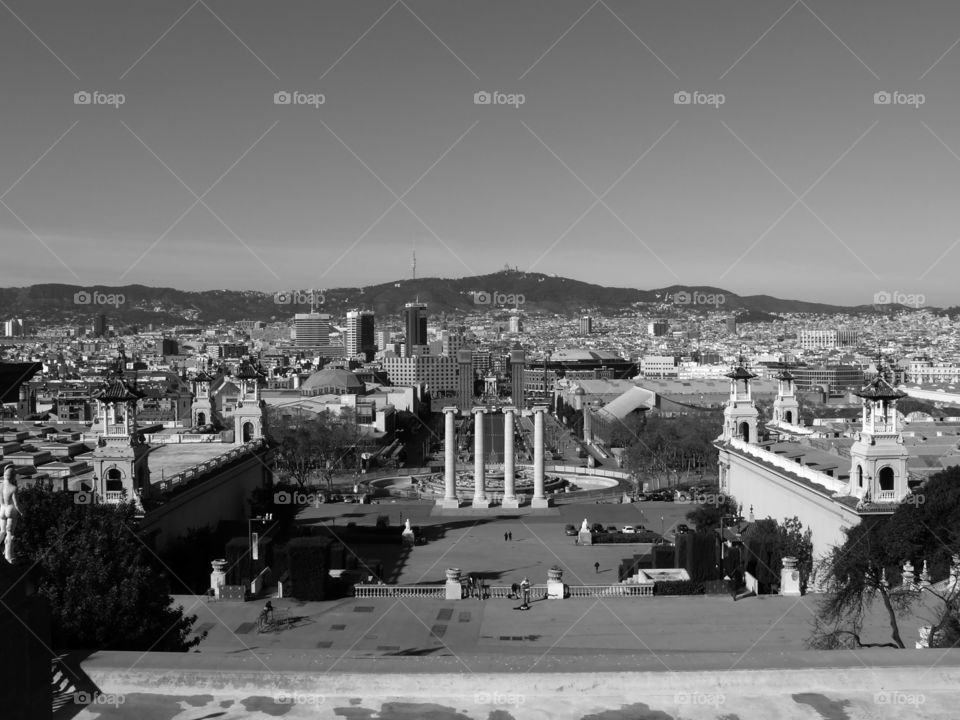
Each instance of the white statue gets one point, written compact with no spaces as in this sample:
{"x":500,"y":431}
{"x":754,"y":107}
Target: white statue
{"x":9,"y":511}
{"x":407,"y":530}
{"x":585,"y":527}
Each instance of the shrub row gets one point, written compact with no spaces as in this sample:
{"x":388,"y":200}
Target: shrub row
{"x":620,"y":538}
{"x":678,"y":587}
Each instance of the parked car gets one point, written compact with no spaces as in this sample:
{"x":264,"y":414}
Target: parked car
{"x":570,"y":530}
{"x":597,"y":528}
{"x":612,"y":528}
{"x":629,"y":530}
{"x":682,"y":528}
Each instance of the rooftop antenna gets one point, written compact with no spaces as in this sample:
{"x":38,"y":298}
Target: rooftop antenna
{"x":413,"y":263}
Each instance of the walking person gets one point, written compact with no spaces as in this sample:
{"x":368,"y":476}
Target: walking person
{"x":505,"y":536}
{"x":596,"y":567}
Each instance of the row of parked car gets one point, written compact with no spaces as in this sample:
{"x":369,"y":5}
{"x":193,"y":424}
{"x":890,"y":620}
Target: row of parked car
{"x":666,"y":495}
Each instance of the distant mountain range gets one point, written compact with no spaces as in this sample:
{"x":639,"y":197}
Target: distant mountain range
{"x":502,"y":291}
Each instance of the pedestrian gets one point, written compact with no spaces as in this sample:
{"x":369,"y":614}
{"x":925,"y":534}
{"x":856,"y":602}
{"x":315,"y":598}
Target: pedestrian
{"x":576,"y":541}
{"x":511,"y":536}
{"x":505,"y":536}
{"x":596,"y":567}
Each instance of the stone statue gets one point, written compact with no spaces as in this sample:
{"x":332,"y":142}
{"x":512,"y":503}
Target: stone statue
{"x":585,"y":526}
{"x":9,"y":511}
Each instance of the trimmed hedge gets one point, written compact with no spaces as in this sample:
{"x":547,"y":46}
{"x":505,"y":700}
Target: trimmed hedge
{"x":308,"y":565}
{"x":621,"y":538}
{"x":678,"y":587}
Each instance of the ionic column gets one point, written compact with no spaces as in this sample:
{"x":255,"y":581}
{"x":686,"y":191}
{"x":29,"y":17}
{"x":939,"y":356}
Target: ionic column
{"x":479,"y":496}
{"x":449,"y":459}
{"x":539,"y":498}
{"x":509,"y":489}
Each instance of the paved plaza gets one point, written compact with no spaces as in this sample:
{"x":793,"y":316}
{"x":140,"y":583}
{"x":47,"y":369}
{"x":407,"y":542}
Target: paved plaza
{"x":655,"y":658}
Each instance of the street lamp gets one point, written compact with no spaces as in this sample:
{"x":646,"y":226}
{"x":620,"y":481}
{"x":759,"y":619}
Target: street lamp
{"x":662,"y":539}
{"x":254,"y":548}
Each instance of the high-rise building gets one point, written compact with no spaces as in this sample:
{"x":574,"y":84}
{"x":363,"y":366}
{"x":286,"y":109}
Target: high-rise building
{"x":99,"y":325}
{"x":658,"y":328}
{"x":358,"y":334}
{"x":732,"y":325}
{"x":313,"y":330}
{"x":415,"y":324}
{"x":586,"y":325}
{"x":517,"y":362}
{"x":516,"y":324}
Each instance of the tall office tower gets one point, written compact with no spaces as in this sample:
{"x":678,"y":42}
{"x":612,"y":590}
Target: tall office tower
{"x":658,"y":328}
{"x":313,"y":330}
{"x":517,"y":362}
{"x":358,"y":334}
{"x":415,"y":324}
{"x":99,"y":325}
{"x":464,"y":379}
{"x":732,"y":325}
{"x":586,"y":325}
{"x":516,"y":324}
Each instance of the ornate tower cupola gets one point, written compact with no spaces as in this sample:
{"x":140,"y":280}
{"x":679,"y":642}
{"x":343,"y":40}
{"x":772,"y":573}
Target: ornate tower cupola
{"x":740,"y":414}
{"x":120,"y":459}
{"x":202,"y":406}
{"x":786,"y":409}
{"x":248,"y":418}
{"x":878,"y":471}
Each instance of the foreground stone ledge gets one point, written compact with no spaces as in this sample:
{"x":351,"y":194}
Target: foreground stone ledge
{"x":411,"y":677}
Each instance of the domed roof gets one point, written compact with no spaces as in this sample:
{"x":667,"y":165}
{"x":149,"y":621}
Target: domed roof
{"x":333,"y":377}
{"x":579,"y":391}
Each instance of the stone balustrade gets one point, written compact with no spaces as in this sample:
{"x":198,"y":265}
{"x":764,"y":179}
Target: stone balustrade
{"x":401,"y":591}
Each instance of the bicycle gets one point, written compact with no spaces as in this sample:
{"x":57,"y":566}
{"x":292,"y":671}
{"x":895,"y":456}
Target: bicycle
{"x":273,"y":619}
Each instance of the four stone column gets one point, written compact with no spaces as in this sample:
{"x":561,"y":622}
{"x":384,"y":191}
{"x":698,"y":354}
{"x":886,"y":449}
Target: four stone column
{"x":509,"y":490}
{"x":449,"y":459}
{"x":479,"y":494}
{"x":480,"y":498}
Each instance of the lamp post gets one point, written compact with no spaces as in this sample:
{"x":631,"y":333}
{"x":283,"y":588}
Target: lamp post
{"x":263,"y":518}
{"x":662,"y":539}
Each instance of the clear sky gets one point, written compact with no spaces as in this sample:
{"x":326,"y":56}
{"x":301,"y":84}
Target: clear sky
{"x":798,"y":185}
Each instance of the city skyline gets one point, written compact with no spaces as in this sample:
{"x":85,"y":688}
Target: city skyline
{"x":817,"y":162}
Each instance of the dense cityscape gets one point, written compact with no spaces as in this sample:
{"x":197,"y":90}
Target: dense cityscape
{"x":502,"y":360}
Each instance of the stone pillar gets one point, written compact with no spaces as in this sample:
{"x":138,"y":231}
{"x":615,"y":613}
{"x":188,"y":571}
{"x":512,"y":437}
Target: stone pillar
{"x":789,"y":577}
{"x":454,"y":586}
{"x":479,"y":495}
{"x":509,"y":477}
{"x":539,"y":499}
{"x":555,"y":589}
{"x":908,"y":575}
{"x":218,"y":578}
{"x":449,"y":459}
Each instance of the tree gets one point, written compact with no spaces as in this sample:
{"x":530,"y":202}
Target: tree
{"x":99,"y":577}
{"x":319,"y":444}
{"x":856,"y":576}
{"x":707,"y":516}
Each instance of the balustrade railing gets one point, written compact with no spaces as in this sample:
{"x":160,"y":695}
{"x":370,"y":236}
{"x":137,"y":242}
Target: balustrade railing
{"x":394,"y":591}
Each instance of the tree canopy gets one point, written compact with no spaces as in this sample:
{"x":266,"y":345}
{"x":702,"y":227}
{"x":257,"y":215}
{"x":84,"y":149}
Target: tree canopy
{"x":666,"y":447}
{"x":99,"y":577}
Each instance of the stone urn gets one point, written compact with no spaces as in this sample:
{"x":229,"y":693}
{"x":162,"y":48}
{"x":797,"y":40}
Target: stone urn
{"x":453,"y":575}
{"x":555,"y":574}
